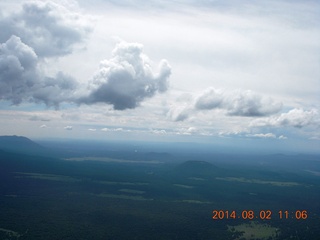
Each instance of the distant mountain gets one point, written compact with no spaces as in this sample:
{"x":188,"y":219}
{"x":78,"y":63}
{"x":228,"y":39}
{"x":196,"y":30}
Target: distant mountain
{"x":196,"y":168}
{"x":21,"y":144}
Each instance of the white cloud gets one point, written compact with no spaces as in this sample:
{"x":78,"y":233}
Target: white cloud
{"x":158,"y":131}
{"x":262,"y":135}
{"x":126,"y":79}
{"x":68,"y":128}
{"x":283,"y":137}
{"x":237,"y":103}
{"x":243,"y":103}
{"x":187,"y":131}
{"x":296,"y":117}
{"x":116,"y":130}
{"x":179,"y":113}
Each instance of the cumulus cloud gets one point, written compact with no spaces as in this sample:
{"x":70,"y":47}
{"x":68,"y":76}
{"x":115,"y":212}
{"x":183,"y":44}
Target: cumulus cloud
{"x":49,"y":28}
{"x":296,"y":117}
{"x":243,"y":103}
{"x":209,"y":99}
{"x":126,"y":79}
{"x":237,"y":103}
{"x":22,"y":80}
{"x":43,"y":29}
{"x":18,"y":70}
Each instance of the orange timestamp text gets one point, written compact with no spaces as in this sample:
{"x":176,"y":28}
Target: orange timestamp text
{"x":262,"y":214}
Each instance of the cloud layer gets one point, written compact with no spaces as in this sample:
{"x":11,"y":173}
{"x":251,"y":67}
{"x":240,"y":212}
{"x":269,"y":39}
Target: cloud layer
{"x":126,"y":79}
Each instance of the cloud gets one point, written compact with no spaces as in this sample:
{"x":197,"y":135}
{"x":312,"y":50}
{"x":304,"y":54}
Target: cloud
{"x":43,"y":126}
{"x":209,"y":99}
{"x":188,"y":131}
{"x":179,"y":113}
{"x":18,"y":70}
{"x":22,"y":80}
{"x":126,"y":79}
{"x":296,"y":117}
{"x":55,"y":90}
{"x":115,"y":130}
{"x":158,"y":131}
{"x":68,"y":128}
{"x":39,"y":118}
{"x":262,"y":135}
{"x":49,"y":28}
{"x":45,"y":29}
{"x":283,"y":137}
{"x":41,"y":29}
{"x":243,"y":103}
{"x":237,"y":103}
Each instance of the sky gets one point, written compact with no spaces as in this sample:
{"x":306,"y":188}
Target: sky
{"x":233,"y":73}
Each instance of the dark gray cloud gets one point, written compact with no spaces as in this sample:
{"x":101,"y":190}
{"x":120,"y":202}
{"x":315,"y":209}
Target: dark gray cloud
{"x":237,"y":103}
{"x":126,"y":79}
{"x":18,"y":70}
{"x":41,"y":29}
{"x":55,"y":90}
{"x":49,"y":28}
{"x":22,"y":80}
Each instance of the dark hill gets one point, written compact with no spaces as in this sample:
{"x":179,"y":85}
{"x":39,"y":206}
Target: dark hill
{"x":21,"y":144}
{"x":196,"y":168}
